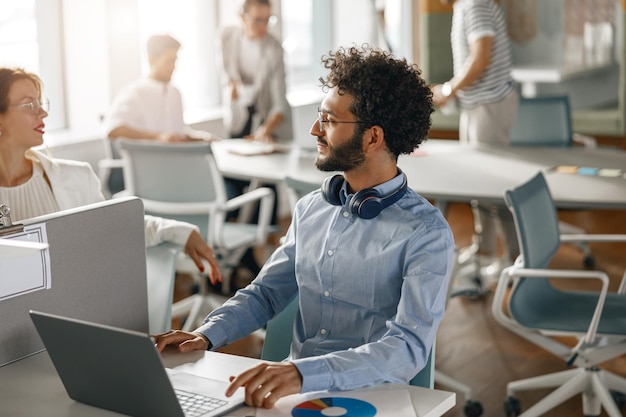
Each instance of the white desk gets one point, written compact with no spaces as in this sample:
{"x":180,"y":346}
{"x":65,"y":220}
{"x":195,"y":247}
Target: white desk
{"x":31,"y":386}
{"x":448,"y":171}
{"x":530,"y":76}
{"x":452,"y":172}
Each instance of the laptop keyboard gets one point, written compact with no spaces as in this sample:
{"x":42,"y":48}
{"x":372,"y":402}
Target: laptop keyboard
{"x":196,"y":405}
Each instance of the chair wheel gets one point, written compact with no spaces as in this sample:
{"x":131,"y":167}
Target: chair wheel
{"x":619,"y":398}
{"x":589,"y":261}
{"x":473,"y":409}
{"x":512,"y":407}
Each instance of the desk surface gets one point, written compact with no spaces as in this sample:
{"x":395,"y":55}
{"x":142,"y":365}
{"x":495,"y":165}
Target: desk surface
{"x":31,"y":386}
{"x":447,"y":170}
{"x":531,"y":75}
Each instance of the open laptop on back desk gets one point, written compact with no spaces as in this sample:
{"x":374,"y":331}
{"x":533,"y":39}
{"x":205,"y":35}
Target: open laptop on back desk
{"x":121,"y":370}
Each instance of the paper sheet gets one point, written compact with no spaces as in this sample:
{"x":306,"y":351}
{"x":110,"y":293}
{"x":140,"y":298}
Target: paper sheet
{"x":252,"y":148}
{"x":388,"y":403}
{"x":24,"y":274}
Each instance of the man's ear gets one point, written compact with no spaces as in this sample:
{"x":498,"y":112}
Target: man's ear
{"x":375,"y":138}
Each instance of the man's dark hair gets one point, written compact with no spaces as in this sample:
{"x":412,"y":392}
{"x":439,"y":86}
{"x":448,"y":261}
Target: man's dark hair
{"x":387,"y":91}
{"x":158,"y":44}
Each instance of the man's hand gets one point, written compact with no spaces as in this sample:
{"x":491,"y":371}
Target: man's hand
{"x":262,"y":135}
{"x":439,"y":99}
{"x":266,"y":383}
{"x":185,"y":341}
{"x":171,"y":137}
{"x":197,"y":249}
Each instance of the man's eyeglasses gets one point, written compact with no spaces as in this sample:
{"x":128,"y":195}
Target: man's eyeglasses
{"x":321,"y":120}
{"x":35,"y":106}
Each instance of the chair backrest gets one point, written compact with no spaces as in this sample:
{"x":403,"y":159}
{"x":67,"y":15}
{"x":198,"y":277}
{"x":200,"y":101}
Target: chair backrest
{"x":279,"y":333}
{"x":536,"y":221}
{"x":173,"y":173}
{"x":543,"y":121}
{"x":537,"y":226}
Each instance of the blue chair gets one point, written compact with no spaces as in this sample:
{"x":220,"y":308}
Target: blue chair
{"x":543,"y":121}
{"x":547,"y":121}
{"x":538,"y":311}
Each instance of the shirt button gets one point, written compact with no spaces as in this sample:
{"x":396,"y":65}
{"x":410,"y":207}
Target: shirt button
{"x":323,"y":331}
{"x":326,"y":293}
{"x":346,"y":214}
{"x":330,"y":253}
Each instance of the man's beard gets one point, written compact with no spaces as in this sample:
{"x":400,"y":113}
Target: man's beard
{"x":347,"y":156}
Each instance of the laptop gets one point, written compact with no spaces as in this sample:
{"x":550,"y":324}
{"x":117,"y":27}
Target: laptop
{"x":121,"y":370}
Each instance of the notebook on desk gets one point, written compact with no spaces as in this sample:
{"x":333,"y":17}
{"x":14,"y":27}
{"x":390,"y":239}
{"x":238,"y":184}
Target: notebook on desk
{"x":120,"y":370}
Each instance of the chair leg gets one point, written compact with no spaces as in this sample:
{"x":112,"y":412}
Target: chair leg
{"x":575,"y":385}
{"x":601,"y":391}
{"x":614,"y":382}
{"x":542,"y":381}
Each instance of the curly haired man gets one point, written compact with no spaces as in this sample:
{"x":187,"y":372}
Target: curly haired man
{"x":367,"y":257}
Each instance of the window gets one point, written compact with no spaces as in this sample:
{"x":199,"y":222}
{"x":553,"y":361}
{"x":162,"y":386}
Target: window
{"x":30,"y":39}
{"x":86,"y":51}
{"x":311,"y":28}
{"x":297,"y":29}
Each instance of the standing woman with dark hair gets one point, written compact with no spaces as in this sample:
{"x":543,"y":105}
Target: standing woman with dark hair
{"x":252,"y":74}
{"x":33,"y":184}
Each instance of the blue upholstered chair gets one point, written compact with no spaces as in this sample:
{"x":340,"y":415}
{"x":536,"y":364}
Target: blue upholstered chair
{"x":537,"y":310}
{"x":547,"y":121}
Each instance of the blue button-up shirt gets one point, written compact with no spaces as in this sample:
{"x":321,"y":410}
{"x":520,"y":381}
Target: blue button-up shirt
{"x":372,"y":292}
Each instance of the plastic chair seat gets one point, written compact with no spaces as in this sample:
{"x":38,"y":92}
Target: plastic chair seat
{"x":558,"y":311}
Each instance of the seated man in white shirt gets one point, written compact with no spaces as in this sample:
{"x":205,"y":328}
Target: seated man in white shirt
{"x":150,"y":107}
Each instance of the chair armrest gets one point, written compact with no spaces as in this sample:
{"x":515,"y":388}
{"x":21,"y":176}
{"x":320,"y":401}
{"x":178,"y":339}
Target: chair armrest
{"x":569,"y":274}
{"x":587,"y":141}
{"x":593,"y":238}
{"x":266,"y":198}
{"x":248,"y":197}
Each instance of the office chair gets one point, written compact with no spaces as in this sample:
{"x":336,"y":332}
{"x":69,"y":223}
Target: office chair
{"x":426,"y":378}
{"x":181,"y":181}
{"x":111,"y":170}
{"x":540,"y":121}
{"x":536,"y":310}
{"x":547,"y":121}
